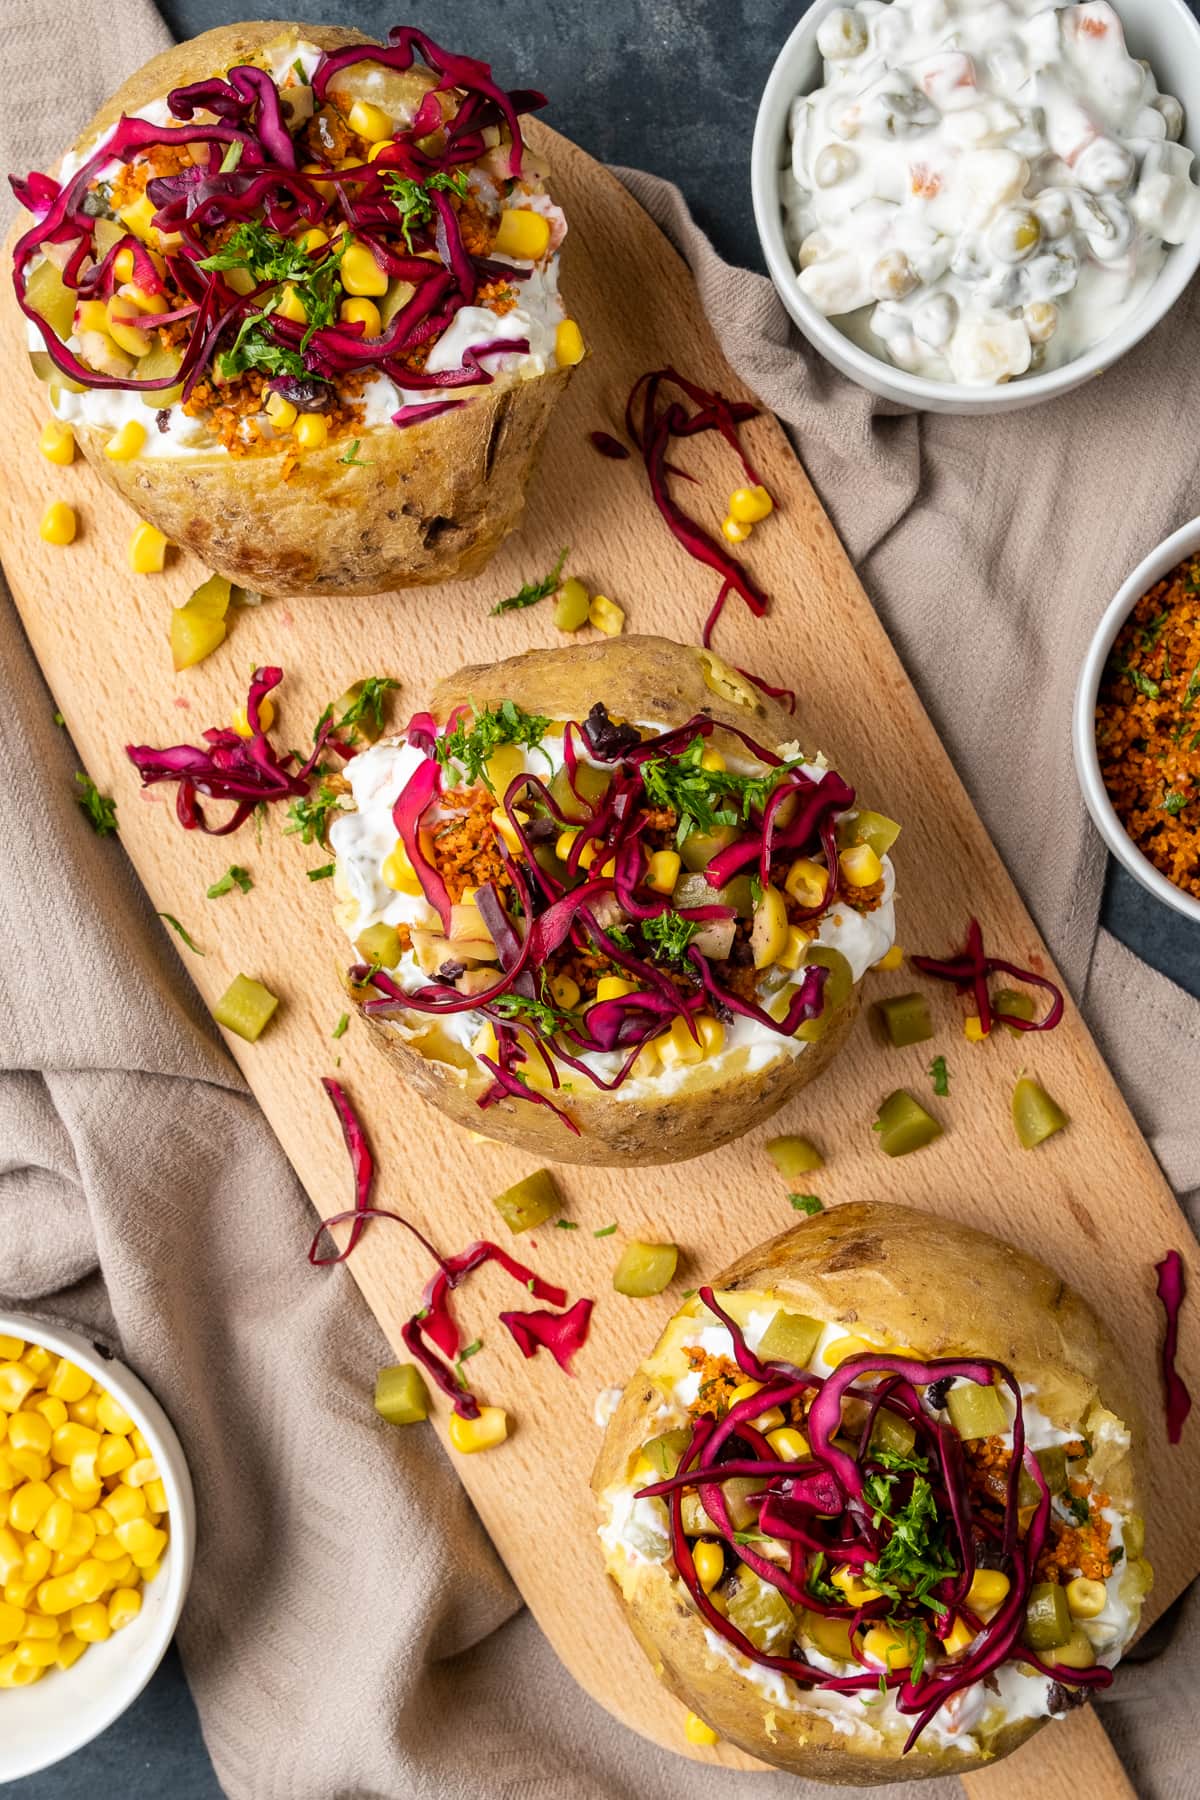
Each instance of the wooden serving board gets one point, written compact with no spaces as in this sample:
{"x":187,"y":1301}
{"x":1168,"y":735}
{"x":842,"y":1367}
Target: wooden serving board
{"x":1092,"y":1202}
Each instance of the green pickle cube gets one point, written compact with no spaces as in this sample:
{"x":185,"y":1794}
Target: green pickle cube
{"x":905,"y":1018}
{"x":645,"y":1269}
{"x":246,"y":1008}
{"x":791,"y":1337}
{"x":904,"y":1125}
{"x":529,"y":1202}
{"x":401,"y":1396}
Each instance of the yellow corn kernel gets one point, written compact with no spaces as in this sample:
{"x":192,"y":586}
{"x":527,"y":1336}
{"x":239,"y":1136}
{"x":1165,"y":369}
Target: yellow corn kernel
{"x":893,"y":960}
{"x":364,"y":312}
{"x":69,"y":1650}
{"x":745,"y":1390}
{"x":138,"y":217}
{"x":90,"y":1623}
{"x":750,"y":504}
{"x":734,"y":532}
{"x":147,"y":549}
{"x":662,"y":871}
{"x":788,"y":1444}
{"x":988,"y":1588}
{"x":83,"y":1412}
{"x":369,"y":122}
{"x":1086,"y":1599}
{"x":311,"y":430}
{"x":860,"y":866}
{"x":565,"y":992}
{"x":39,"y":1359}
{"x":72,"y":1440}
{"x":713,"y":761}
{"x":124,"y":1605}
{"x":957,"y":1638}
{"x":62,"y":1562}
{"x":156,"y":1496}
{"x":523,"y":234}
{"x":37,"y":1653}
{"x":886,"y":1647}
{"x":606,"y":615}
{"x":504,"y":828}
{"x":12,"y":1622}
{"x":126,"y":443}
{"x":103,"y":1521}
{"x":9,"y":1479}
{"x":144,"y":1470}
{"x":149,"y":1570}
{"x":241,"y":724}
{"x":141,"y":1447}
{"x":125,"y":1503}
{"x":68,"y":1383}
{"x":769,"y":1421}
{"x":709,"y":1559}
{"x":144,"y":1541}
{"x":805,"y":882}
{"x":614,"y":987}
{"x":483,"y":1433}
{"x":90,"y":1579}
{"x":54,"y":1531}
{"x":13,"y":1675}
{"x":57,"y":443}
{"x":38,"y":1626}
{"x":398,"y":872}
{"x":29,"y":1431}
{"x":697,"y":1732}
{"x":80,"y":1538}
{"x":107,"y":1548}
{"x":843,"y":1348}
{"x":10,"y":1347}
{"x":35,"y":1564}
{"x":12,"y":1555}
{"x":562,"y":849}
{"x":121,"y":314}
{"x":91,"y":315}
{"x":712,"y":1034}
{"x":360,"y":273}
{"x":29,"y":1464}
{"x":58,"y":525}
{"x":281,"y":412}
{"x":792,"y":954}
{"x":28,"y":1505}
{"x":377,"y":150}
{"x":51,"y":1409}
{"x":484,"y":1042}
{"x":82,"y":1496}
{"x":857,"y":1591}
{"x":569,"y":347}
{"x":312,"y":240}
{"x":678,"y":1046}
{"x":291,"y":306}
{"x":973,"y":1029}
{"x":120,"y":1573}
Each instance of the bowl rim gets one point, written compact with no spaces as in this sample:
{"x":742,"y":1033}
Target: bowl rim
{"x":116,"y":1376}
{"x":874,"y":372}
{"x":1152,"y":568}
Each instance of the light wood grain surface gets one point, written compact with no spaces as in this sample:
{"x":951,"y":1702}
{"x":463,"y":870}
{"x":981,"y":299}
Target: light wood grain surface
{"x":1091,"y":1202}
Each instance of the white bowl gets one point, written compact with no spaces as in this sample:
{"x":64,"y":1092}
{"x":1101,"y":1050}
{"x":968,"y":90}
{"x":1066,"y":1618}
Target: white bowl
{"x":1162,"y":31}
{"x":67,"y":1708}
{"x":1182,"y":543}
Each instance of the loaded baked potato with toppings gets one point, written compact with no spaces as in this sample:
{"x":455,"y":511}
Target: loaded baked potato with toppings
{"x":297,"y":293}
{"x":605,"y":905}
{"x":871,"y":1503}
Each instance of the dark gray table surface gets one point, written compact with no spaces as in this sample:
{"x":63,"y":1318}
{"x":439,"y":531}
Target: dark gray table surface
{"x":624,"y":84}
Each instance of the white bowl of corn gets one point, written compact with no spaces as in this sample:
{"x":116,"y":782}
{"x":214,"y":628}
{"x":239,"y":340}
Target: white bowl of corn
{"x":97,"y":1531}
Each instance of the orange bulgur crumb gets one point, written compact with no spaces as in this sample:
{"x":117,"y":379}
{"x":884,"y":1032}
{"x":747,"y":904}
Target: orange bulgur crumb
{"x":466,"y":851}
{"x":1071,"y":1544}
{"x":718,"y":1378}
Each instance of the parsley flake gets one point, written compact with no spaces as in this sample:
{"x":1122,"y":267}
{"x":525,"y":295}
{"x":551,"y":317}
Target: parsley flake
{"x":99,"y":811}
{"x":234,"y":876}
{"x":411,"y":198}
{"x":806,"y":1203}
{"x":310,"y":817}
{"x":471,"y":746}
{"x":940,"y":1075}
{"x":533,"y":591}
{"x":339,"y":1029}
{"x":176,"y":927}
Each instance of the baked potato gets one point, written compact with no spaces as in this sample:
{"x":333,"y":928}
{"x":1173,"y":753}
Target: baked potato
{"x":704,"y":898}
{"x":872,"y":1585}
{"x":355,"y":260}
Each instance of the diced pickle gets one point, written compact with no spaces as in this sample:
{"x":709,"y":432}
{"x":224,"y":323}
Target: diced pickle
{"x":193,"y":637}
{"x":1133,"y":1535}
{"x":905,"y":1018}
{"x":1136,"y":1580}
{"x":695,"y":1520}
{"x":664,"y":1452}
{"x":1077,"y":1653}
{"x":1048,"y":1623}
{"x":529,"y":1202}
{"x":579,"y":802}
{"x":503,"y":766}
{"x":159,"y":360}
{"x":379,"y":945}
{"x":211,"y":599}
{"x":571,"y":607}
{"x":48,"y":294}
{"x":760,"y":1612}
{"x":645,"y":1269}
{"x":794,"y":1156}
{"x":699,"y":847}
{"x":1021,"y":1006}
{"x":246,"y":1008}
{"x":839,"y":986}
{"x":44,"y":369}
{"x":1053,"y":1463}
{"x":1036,"y":1116}
{"x":904,"y":1125}
{"x":892,"y":1433}
{"x":872,"y":828}
{"x":401,"y":1396}
{"x":648,"y":1530}
{"x":828,"y":1635}
{"x":976,"y":1411}
{"x":769,"y":935}
{"x":399,"y":294}
{"x":791,"y":1337}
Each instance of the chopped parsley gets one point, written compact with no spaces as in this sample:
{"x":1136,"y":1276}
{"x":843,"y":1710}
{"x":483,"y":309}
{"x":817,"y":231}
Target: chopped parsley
{"x":819,"y":1583}
{"x":234,"y":876}
{"x":566,"y":1225}
{"x":272,"y":261}
{"x":340,"y":1028}
{"x":58,"y":719}
{"x":176,"y":927}
{"x":310,"y":817}
{"x":707,"y":799}
{"x":321,"y":874}
{"x":806,"y":1203}
{"x":668,"y":936}
{"x":472,"y":746}
{"x":605,"y":1231}
{"x":533,"y":591}
{"x":1191,"y":692}
{"x":353,"y":460}
{"x":1142,"y":682}
{"x":368,"y":703}
{"x":468,"y":1350}
{"x":411,"y":198}
{"x":940,"y":1075}
{"x":1174,"y":802}
{"x":915,"y":1557}
{"x":1078,"y":1508}
{"x":97,"y":809}
{"x":544,"y":1018}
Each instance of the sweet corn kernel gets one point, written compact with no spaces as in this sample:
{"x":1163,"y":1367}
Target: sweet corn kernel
{"x":12,"y":1622}
{"x":1086,"y":1599}
{"x":147,"y":549}
{"x":149,"y":1570}
{"x":311,"y":430}
{"x":893,"y":960}
{"x":10,"y":1347}
{"x":523,"y":234}
{"x":38,"y":1358}
{"x":569,"y":347}
{"x":156,"y":1496}
{"x":28,"y":1464}
{"x":709,"y":1559}
{"x":124,"y":1605}
{"x":677,"y":1045}
{"x":958,"y":1637}
{"x":291,"y":306}
{"x":360,"y":273}
{"x":83,"y":1412}
{"x":792,"y":954}
{"x":369,"y":122}
{"x":562,"y":849}
{"x":57,"y":443}
{"x":788,"y":1444}
{"x":398,"y":872}
{"x":29,"y":1504}
{"x":606,"y":615}
{"x":662,"y":871}
{"x":90,"y":1623}
{"x":745,"y":1390}
{"x":123,"y":329}
{"x":20,"y":1593}
{"x":614,"y":987}
{"x":37,"y":1653}
{"x":58,"y":523}
{"x":73,"y":1439}
{"x":117,"y":1574}
{"x":107,"y":1548}
{"x":565,"y":992}
{"x":504,"y":828}
{"x":857,"y":1592}
{"x":127,"y":442}
{"x":138,"y":217}
{"x":734,"y":532}
{"x":750,"y":504}
{"x":769,"y":1421}
{"x":29,"y":1431}
{"x":91,"y":315}
{"x":483,"y":1433}
{"x":125,"y":1503}
{"x":364,"y":312}
{"x":241,"y":724}
{"x":54,"y":1531}
{"x":144,"y":1470}
{"x":988,"y":1588}
{"x":68,"y":1383}
{"x":697,"y":1732}
{"x":80,"y":1537}
{"x":843,"y":1348}
{"x":377,"y":150}
{"x":12,"y":1555}
{"x":139,"y":1443}
{"x":51,"y":1409}
{"x":12,"y":1675}
{"x":90,"y":1579}
{"x":82,"y":1497}
{"x":62,"y":1562}
{"x":886,"y":1647}
{"x":713,"y":761}
{"x":860,"y":866}
{"x":281,"y":412}
{"x":144,"y":1541}
{"x":805,"y":882}
{"x":35,"y":1564}
{"x":37,"y":1626}
{"x":973,"y":1029}
{"x":70,"y":1649}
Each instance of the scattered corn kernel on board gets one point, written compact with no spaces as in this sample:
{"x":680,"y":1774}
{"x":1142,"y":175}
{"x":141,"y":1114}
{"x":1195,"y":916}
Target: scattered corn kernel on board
{"x":1091,"y":1202}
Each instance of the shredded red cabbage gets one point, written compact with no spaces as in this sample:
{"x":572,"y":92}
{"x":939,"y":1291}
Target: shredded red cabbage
{"x":362,"y":1164}
{"x":609,"y":446}
{"x":969,"y":972}
{"x":563,"y":1334}
{"x":1171,"y":1289}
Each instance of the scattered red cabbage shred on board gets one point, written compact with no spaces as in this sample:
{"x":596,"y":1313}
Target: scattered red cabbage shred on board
{"x":969,"y":972}
{"x":362,"y":1164}
{"x":573,"y":909}
{"x":246,"y":167}
{"x":608,"y":445}
{"x":823,"y":1510}
{"x":247,"y":771}
{"x":1171,"y":1290}
{"x":561,"y":1333}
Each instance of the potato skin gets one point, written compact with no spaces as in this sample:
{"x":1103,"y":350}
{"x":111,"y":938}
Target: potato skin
{"x":656,"y":682}
{"x":425,"y":504}
{"x":945,"y":1289}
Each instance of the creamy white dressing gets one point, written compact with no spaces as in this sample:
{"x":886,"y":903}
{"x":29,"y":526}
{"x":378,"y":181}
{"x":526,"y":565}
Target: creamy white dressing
{"x":172,"y":434}
{"x":363,"y":838}
{"x":971,"y":1717}
{"x":983,"y":188}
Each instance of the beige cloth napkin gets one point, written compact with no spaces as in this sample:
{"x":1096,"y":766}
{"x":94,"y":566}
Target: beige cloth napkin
{"x":350,"y":1632}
